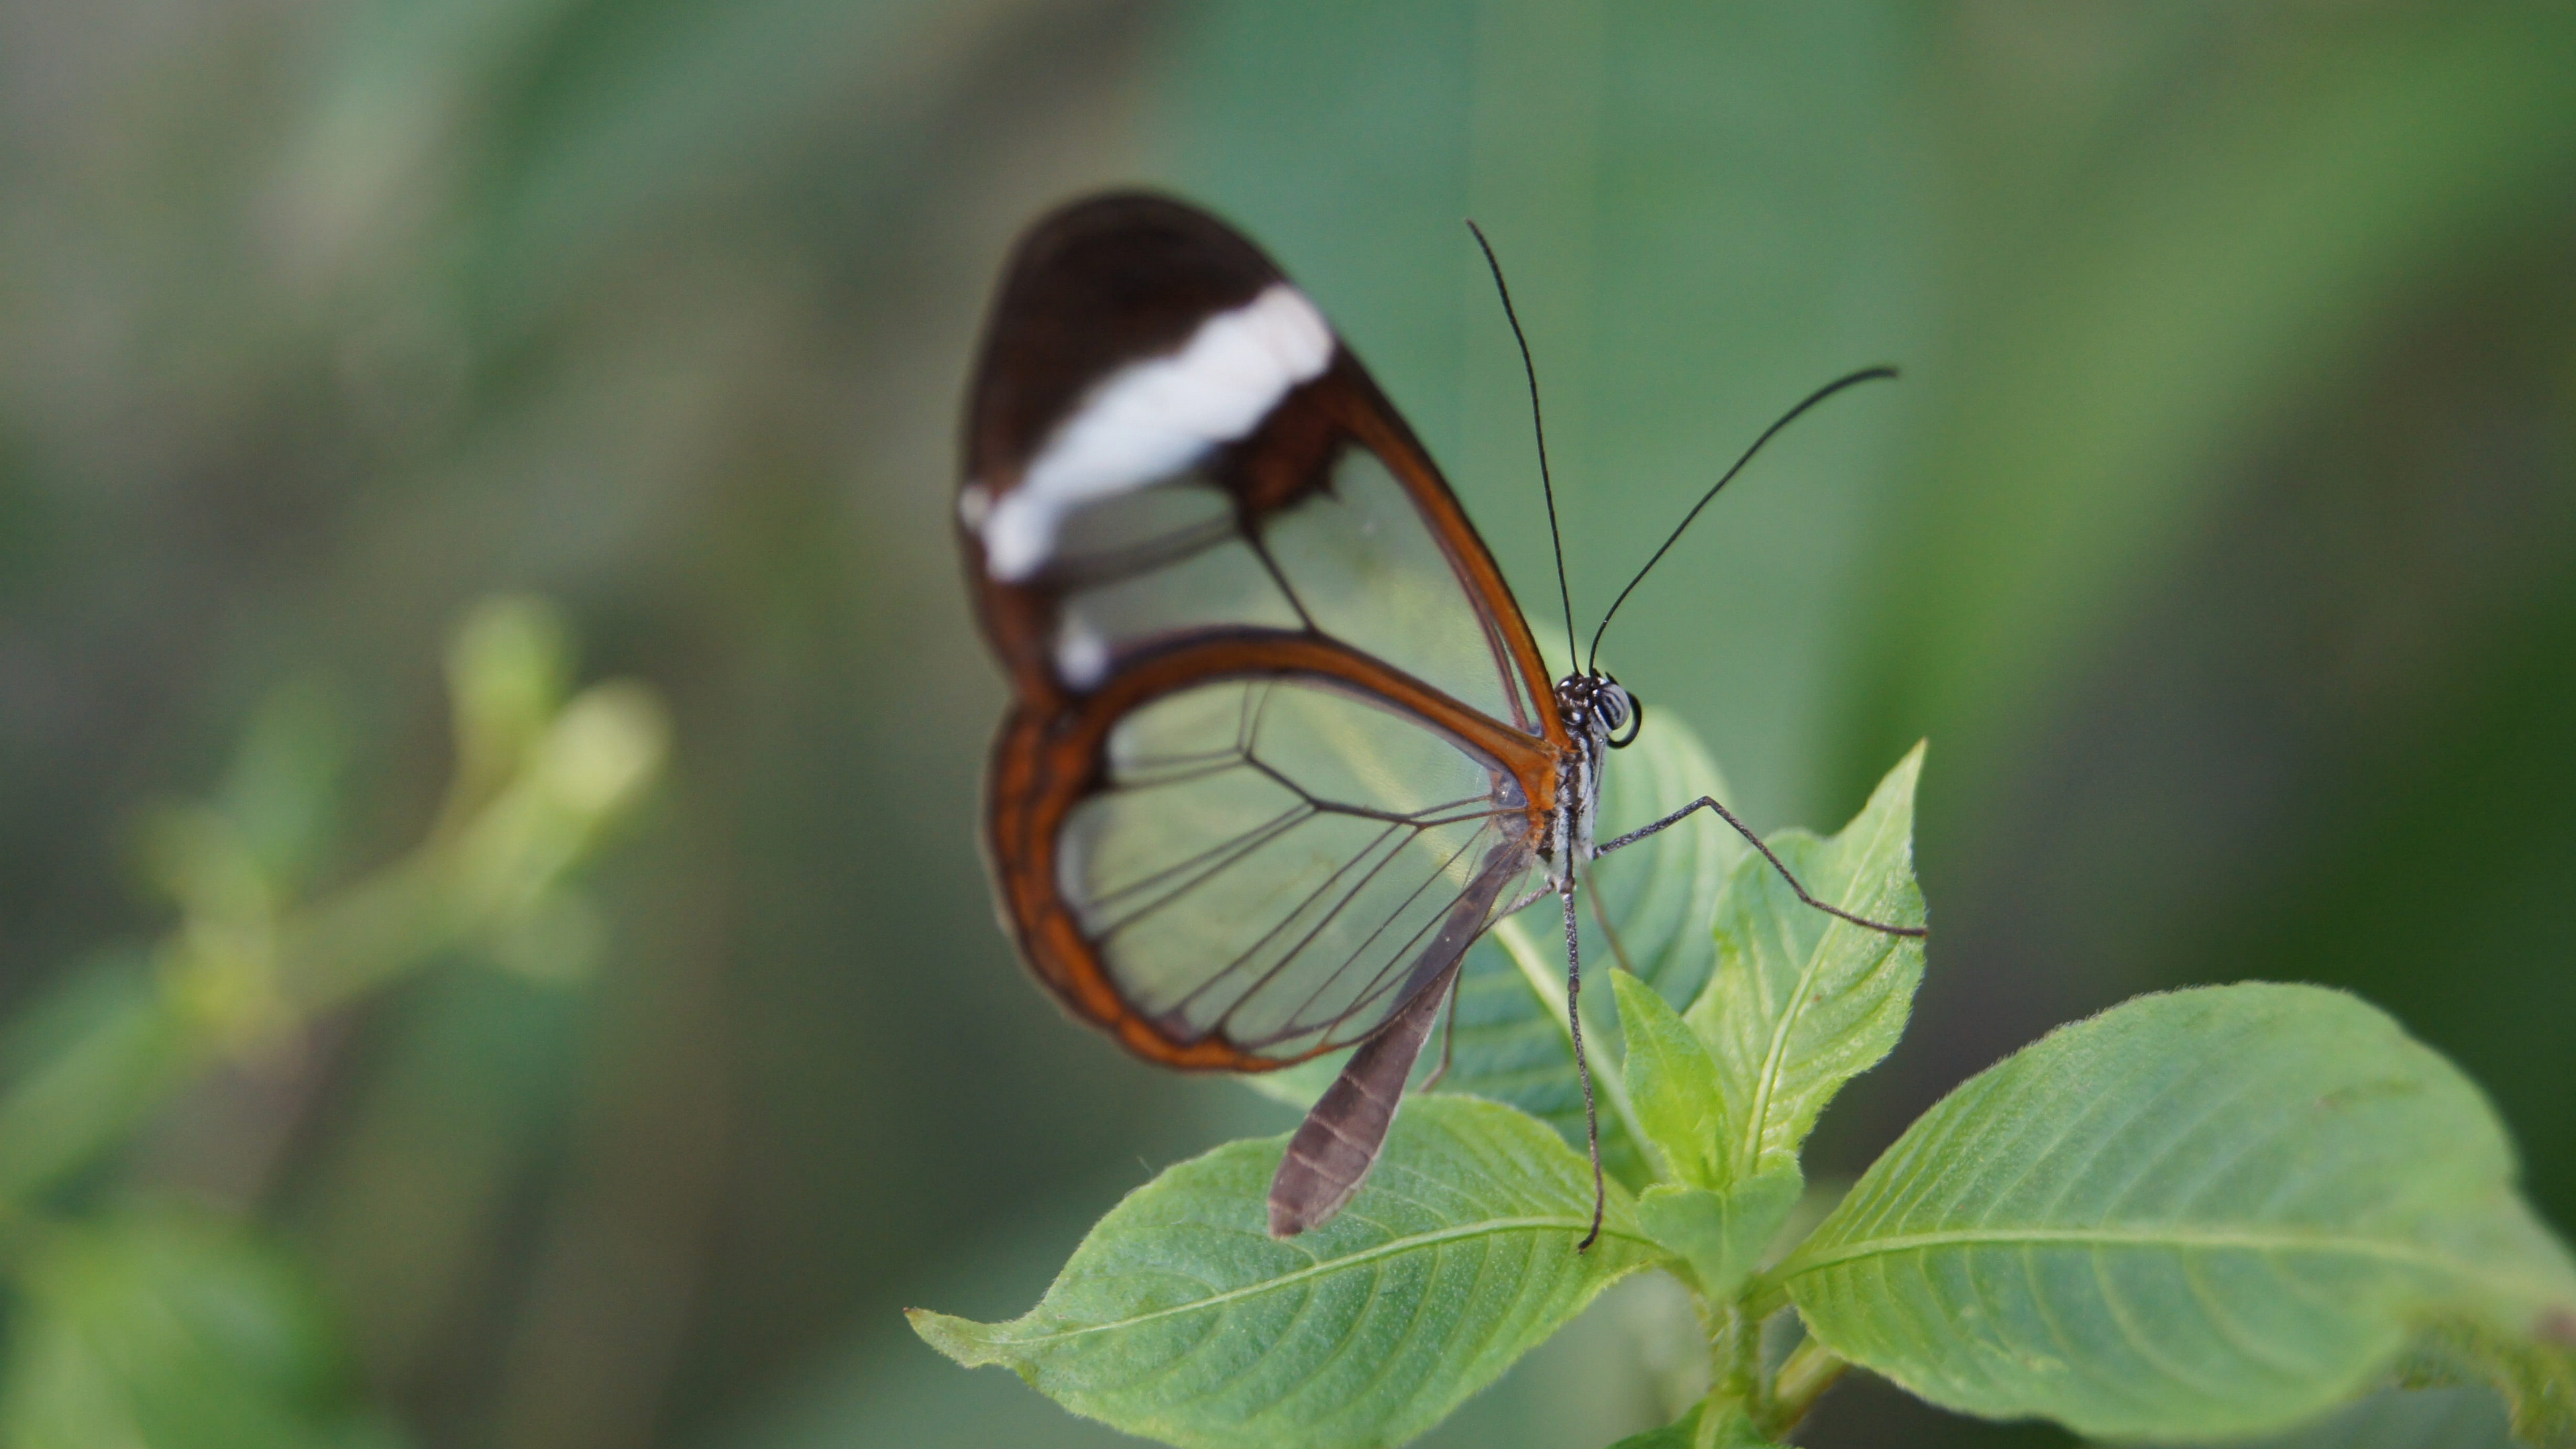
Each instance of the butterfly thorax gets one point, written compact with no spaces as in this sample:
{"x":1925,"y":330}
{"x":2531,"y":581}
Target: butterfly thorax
{"x":1595,"y":710}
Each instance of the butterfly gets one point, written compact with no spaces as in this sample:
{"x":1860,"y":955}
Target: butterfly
{"x":1282,"y":745}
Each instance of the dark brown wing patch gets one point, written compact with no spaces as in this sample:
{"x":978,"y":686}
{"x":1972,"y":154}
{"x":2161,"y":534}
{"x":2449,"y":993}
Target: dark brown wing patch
{"x":1092,"y":287}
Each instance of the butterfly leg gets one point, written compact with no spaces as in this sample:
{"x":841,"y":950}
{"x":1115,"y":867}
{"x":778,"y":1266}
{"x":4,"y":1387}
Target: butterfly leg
{"x":1601,"y":918}
{"x":1582,"y":1066}
{"x":1707,"y":803}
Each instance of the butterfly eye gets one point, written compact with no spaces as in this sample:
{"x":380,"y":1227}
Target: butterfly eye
{"x":1621,"y":701}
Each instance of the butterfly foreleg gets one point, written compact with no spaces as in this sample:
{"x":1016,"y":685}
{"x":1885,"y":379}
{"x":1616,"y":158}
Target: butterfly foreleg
{"x":1705,"y":802}
{"x":1609,"y":932}
{"x":1582,"y":1066}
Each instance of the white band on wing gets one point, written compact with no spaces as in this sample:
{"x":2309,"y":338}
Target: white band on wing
{"x":1152,"y":419}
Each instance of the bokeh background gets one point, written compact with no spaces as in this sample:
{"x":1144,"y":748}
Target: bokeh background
{"x":408,"y":1047}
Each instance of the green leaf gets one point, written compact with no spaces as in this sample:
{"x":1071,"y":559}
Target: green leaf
{"x":166,"y":1331}
{"x":1180,"y":1319}
{"x":2200,"y":1215}
{"x":1720,"y":1233}
{"x":1801,"y":1002}
{"x":1734,"y":1432}
{"x":509,"y":667}
{"x":1510,"y":1041}
{"x":1672,"y":1083}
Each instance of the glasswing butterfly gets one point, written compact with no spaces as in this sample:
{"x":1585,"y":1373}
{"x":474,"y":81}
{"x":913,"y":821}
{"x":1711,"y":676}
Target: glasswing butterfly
{"x":1282,"y":745}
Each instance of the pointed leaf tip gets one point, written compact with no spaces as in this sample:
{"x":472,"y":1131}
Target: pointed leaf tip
{"x":963,"y":1339}
{"x":1802,"y":1002}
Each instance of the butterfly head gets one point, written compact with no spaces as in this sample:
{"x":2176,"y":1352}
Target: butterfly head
{"x":1596,"y":707}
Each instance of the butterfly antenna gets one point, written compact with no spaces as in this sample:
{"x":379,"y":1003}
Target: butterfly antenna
{"x":1555,"y":541}
{"x":1866,"y":374}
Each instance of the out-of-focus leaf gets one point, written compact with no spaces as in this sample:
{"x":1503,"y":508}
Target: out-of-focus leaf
{"x":160,"y":1331}
{"x":2213,"y":1213}
{"x":1802,"y":1002}
{"x":562,"y":128}
{"x":1181,"y":1319}
{"x":403,"y":1210}
{"x":509,"y":665}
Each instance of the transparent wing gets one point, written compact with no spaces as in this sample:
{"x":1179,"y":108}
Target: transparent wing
{"x":1355,"y":560}
{"x":1280,"y":863}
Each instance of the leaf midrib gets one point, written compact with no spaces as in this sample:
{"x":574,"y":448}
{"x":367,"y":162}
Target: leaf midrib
{"x":1391,"y":1248}
{"x":2376,"y":1249}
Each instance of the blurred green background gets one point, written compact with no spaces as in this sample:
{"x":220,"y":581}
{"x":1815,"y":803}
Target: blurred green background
{"x":2222,"y":539}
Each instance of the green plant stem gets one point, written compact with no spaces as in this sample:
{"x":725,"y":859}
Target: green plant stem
{"x":1811,"y":1369}
{"x":1744,"y":1379}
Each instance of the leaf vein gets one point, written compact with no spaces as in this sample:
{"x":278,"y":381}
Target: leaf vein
{"x":1362,"y":1258}
{"x":2402,"y":1255}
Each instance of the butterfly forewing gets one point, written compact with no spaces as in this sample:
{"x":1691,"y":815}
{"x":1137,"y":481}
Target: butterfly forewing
{"x":1282,"y":746}
{"x":1363,"y":565}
